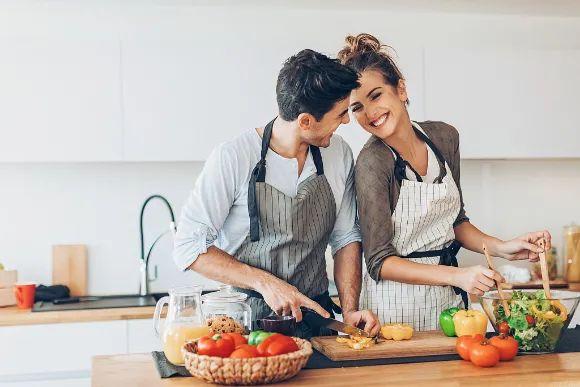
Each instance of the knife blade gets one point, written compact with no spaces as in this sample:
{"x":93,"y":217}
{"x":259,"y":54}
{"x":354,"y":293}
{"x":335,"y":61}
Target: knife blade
{"x":313,"y":318}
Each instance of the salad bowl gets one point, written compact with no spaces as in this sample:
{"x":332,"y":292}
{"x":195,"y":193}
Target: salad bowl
{"x":534,"y":320}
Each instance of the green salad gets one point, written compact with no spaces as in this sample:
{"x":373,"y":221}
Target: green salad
{"x":534,"y":321}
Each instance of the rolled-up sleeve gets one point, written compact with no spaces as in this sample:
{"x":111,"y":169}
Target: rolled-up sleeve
{"x":346,"y":228}
{"x":207,"y":207}
{"x":373,"y":180}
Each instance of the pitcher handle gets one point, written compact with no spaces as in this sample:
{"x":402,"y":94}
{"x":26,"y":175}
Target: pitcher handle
{"x":157,"y":315}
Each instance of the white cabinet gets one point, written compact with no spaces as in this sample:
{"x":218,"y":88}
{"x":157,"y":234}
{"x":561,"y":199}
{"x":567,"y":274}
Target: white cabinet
{"x":189,"y":86}
{"x":59,"y":347}
{"x":140,"y":337}
{"x":60,"y":99}
{"x":506,"y":104}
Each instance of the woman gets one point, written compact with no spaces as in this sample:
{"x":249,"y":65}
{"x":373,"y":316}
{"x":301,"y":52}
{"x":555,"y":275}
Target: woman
{"x":410,"y":203}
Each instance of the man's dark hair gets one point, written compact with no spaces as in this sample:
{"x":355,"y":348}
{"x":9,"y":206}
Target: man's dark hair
{"x":311,"y":82}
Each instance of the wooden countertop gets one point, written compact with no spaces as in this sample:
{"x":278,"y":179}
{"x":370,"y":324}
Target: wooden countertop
{"x":139,"y":370}
{"x":15,"y":316}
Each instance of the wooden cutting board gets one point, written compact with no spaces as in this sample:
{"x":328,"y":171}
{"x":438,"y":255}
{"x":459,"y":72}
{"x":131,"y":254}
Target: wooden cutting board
{"x":69,"y":267}
{"x":421,"y":344}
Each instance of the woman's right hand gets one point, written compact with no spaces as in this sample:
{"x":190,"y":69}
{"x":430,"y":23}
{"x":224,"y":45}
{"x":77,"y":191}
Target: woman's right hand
{"x":476,"y":279}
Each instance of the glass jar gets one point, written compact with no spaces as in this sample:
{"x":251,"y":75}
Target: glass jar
{"x":571,"y":253}
{"x":227,"y":311}
{"x":184,"y":321}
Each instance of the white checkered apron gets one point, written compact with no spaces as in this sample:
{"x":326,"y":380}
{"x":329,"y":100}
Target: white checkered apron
{"x":423,"y":221}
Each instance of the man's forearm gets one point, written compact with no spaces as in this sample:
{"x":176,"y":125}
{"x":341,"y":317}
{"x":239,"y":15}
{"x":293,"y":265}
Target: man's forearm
{"x":347,"y":275}
{"x":220,"y":266}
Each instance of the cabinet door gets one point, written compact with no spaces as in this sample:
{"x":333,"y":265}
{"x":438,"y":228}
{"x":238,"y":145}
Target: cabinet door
{"x":506,"y":104}
{"x":59,"y":347}
{"x":140,"y":336}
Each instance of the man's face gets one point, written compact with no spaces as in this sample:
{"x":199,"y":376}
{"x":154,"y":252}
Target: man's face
{"x":318,"y":133}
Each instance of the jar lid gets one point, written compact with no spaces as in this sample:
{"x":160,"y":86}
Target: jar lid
{"x":225,"y":294}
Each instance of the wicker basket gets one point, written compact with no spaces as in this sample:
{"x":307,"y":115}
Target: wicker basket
{"x":259,"y":370}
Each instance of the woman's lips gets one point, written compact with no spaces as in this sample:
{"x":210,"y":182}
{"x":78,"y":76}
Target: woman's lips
{"x":379,"y":121}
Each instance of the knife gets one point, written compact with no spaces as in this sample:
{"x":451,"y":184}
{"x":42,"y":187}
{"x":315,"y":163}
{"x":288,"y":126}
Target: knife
{"x":313,"y":318}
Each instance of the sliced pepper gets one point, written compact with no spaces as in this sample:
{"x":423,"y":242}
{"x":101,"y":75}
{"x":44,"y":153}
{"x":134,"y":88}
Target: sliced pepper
{"x":397,"y":332}
{"x":446,"y":321}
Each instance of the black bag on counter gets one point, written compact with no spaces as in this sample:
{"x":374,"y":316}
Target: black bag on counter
{"x":49,"y":293}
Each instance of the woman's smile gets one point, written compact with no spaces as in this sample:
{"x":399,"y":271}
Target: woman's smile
{"x":378,"y":122}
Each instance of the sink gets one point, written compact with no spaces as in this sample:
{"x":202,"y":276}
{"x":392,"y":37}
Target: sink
{"x":101,"y":302}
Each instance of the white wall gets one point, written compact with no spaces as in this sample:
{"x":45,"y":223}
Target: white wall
{"x":98,"y":203}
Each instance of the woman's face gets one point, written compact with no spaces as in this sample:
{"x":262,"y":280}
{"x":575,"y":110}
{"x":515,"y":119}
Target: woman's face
{"x":377,"y":106}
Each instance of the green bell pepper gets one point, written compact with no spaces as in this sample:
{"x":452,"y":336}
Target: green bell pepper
{"x":446,"y":321}
{"x":256,"y":337}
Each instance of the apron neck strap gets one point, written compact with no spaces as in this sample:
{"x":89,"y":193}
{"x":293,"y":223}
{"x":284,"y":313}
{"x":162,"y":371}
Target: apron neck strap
{"x":259,"y":175}
{"x":402,"y":164}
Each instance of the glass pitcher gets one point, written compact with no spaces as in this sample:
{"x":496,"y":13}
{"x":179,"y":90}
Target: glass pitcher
{"x":184,"y":321}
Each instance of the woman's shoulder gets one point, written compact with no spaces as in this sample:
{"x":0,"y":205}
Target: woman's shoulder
{"x":442,"y":132}
{"x":375,"y":156}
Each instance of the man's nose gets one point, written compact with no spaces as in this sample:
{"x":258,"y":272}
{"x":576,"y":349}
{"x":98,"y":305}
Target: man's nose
{"x":346,"y":119}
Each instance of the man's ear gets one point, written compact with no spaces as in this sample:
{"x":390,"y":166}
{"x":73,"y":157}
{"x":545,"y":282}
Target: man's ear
{"x":305,"y":121}
{"x":402,"y":91}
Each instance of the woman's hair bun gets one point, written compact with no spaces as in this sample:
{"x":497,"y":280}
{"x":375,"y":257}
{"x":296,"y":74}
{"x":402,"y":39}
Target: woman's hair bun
{"x":361,"y":43}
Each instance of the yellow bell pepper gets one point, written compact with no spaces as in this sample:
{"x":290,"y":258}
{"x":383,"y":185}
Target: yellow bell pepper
{"x":397,"y":332}
{"x":562,"y":311}
{"x":470,"y":322}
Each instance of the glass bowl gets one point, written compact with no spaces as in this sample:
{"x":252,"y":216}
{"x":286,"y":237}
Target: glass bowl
{"x":534,"y":321}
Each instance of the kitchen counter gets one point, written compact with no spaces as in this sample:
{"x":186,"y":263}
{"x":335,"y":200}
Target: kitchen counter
{"x":139,"y":370}
{"x":12,"y":315}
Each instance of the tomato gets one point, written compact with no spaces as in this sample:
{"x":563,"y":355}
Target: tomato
{"x":245,"y":351}
{"x":483,"y":354}
{"x":463,"y":345}
{"x":281,"y":346}
{"x":507,"y":346}
{"x":215,"y":346}
{"x":263,"y":346}
{"x":504,"y":328}
{"x":531,"y":320}
{"x":237,"y":338}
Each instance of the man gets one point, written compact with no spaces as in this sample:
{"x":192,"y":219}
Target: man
{"x":268,"y":203}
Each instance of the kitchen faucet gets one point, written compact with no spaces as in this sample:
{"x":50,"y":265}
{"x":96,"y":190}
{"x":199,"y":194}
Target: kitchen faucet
{"x":144,"y":260}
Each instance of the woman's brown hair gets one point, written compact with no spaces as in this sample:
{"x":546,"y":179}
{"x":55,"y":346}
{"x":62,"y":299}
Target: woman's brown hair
{"x":365,"y":52}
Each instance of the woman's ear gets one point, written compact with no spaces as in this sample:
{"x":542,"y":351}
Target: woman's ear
{"x":402,"y":91}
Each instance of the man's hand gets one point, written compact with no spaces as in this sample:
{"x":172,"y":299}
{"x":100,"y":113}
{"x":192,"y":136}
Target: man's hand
{"x":285,"y":299}
{"x":361,"y":318}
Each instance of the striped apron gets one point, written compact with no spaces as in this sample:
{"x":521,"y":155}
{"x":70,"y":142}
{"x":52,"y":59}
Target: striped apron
{"x":289,"y":235}
{"x":423,"y":232}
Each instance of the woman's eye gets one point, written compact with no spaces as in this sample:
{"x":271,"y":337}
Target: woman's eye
{"x":375,"y":96}
{"x":355,"y":109}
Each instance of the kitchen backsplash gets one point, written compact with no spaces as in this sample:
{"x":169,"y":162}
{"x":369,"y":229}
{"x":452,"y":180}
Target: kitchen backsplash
{"x":98,"y":204}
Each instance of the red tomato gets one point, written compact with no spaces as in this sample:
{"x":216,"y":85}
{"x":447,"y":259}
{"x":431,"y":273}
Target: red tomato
{"x":531,"y":320}
{"x":506,"y":345}
{"x":263,"y":346}
{"x":483,"y":354}
{"x":281,"y":346}
{"x":463,"y":345}
{"x":245,"y":351}
{"x":237,"y":338}
{"x":504,"y":328}
{"x":215,"y":346}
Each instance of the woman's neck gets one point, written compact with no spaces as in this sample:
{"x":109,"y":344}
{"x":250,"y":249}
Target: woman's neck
{"x":407,"y":143}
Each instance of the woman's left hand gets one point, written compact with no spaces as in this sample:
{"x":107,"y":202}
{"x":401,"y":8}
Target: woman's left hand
{"x":524,"y":247}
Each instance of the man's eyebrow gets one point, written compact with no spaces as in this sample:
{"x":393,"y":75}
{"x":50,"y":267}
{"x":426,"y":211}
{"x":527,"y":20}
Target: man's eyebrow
{"x":343,"y":113}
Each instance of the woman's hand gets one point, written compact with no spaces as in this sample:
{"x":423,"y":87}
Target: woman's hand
{"x":523,"y":247}
{"x":476,"y":279}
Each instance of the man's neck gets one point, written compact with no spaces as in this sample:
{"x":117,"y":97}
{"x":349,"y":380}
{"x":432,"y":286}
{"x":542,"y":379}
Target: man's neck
{"x":286,"y":140}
